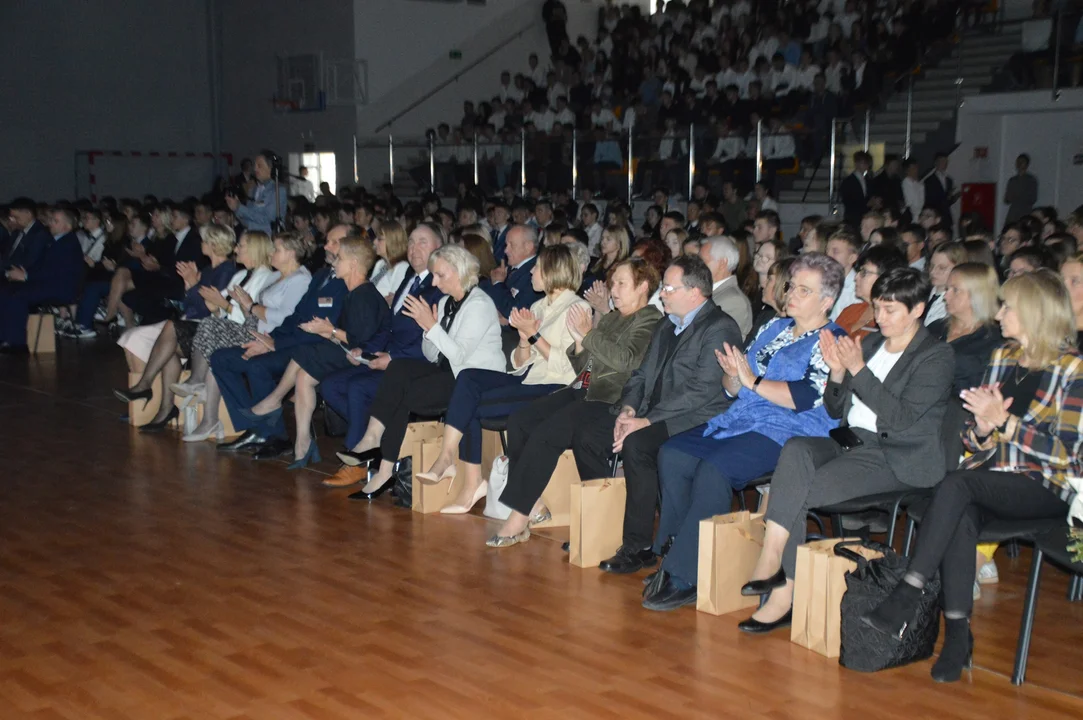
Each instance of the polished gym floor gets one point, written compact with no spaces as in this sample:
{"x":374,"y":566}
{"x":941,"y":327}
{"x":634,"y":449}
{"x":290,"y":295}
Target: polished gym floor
{"x":145,"y":579}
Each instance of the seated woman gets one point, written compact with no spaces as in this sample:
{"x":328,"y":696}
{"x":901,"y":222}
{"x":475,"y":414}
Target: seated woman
{"x":482,"y":249}
{"x":461,"y":333}
{"x":773,"y":296}
{"x":171,"y":340}
{"x":241,"y":318}
{"x":971,"y":299}
{"x":778,"y":389}
{"x":1025,"y":438}
{"x":941,"y":263}
{"x":390,"y":269}
{"x":364,"y":325}
{"x":541,"y":367}
{"x":604,"y":357}
{"x":891,"y":391}
{"x":874,"y":261}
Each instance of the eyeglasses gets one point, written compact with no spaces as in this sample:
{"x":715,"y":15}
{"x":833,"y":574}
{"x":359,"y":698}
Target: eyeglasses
{"x":865,"y":272}
{"x":799,"y":290}
{"x":667,"y":289}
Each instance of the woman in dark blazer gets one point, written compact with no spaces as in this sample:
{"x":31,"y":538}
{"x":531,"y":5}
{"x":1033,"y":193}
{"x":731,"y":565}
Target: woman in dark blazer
{"x":363,"y":326}
{"x":890,"y":393}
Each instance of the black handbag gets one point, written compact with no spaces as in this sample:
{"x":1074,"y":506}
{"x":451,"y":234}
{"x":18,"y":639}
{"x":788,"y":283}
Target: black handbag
{"x":334,"y":425}
{"x":865,"y":649}
{"x":403,"y":489}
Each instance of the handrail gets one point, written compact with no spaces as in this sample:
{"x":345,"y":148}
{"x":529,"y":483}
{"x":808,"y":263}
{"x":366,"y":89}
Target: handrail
{"x":455,"y":78}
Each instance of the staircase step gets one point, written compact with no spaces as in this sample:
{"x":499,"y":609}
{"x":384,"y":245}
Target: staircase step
{"x":889,"y":129}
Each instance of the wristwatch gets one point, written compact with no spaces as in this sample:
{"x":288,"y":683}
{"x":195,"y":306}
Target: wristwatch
{"x":534,"y":338}
{"x":756,"y":385}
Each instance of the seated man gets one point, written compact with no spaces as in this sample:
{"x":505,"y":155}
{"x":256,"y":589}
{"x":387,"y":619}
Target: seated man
{"x":29,"y":238}
{"x":511,"y":287}
{"x":677,"y":387}
{"x":721,"y":256}
{"x":54,"y":279}
{"x":350,"y":392}
{"x":161,"y":283}
{"x":263,"y":360}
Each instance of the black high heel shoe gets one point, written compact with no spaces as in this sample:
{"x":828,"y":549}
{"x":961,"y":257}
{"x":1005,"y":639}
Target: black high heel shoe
{"x":130,"y":396}
{"x":362,"y":495}
{"x":366,"y":457}
{"x":764,"y":587}
{"x":957,"y":654}
{"x":157,"y":427}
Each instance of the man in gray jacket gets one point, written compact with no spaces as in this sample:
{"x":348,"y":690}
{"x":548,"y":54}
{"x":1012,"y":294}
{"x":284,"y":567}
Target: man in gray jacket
{"x":722,"y":255}
{"x":678,"y":386}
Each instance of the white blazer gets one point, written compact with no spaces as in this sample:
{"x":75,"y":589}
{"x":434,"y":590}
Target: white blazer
{"x":474,"y":339}
{"x":261,"y":277}
{"x":553,"y":326}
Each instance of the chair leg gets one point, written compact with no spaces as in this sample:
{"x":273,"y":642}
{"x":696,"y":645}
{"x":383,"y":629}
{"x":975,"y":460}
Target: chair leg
{"x":910,"y":526}
{"x":891,"y":525}
{"x":1022,"y":650}
{"x":1075,"y":588}
{"x":741,"y":503}
{"x":37,"y":336}
{"x":836,"y":525}
{"x":819,"y":523}
{"x":1013,"y":549}
{"x":504,"y":442}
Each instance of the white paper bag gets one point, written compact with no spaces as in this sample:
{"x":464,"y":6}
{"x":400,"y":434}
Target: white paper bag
{"x":498,"y":480}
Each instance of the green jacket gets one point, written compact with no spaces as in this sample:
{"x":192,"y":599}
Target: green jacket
{"x":615,"y":348}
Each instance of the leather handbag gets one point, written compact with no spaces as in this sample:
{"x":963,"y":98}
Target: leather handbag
{"x":865,"y":649}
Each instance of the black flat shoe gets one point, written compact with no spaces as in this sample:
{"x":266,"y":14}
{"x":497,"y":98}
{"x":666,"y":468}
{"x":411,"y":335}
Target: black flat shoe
{"x":764,"y":587}
{"x":629,"y":560}
{"x":246,"y":440}
{"x":756,"y":627}
{"x":354,"y":459}
{"x":273,"y":448}
{"x":362,"y":495}
{"x":130,"y":396}
{"x":157,"y":427}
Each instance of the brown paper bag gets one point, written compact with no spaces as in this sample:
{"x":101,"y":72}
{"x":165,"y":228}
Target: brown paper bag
{"x":819,"y":584}
{"x":417,"y":434}
{"x":596,"y":511}
{"x":729,"y":546}
{"x":557,"y":494}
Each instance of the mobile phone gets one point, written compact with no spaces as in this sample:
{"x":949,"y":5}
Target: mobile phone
{"x":846,"y":438}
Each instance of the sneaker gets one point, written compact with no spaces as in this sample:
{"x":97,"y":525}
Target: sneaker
{"x":987,"y":574}
{"x":99,"y":314}
{"x":62,"y":326}
{"x":82,"y":333}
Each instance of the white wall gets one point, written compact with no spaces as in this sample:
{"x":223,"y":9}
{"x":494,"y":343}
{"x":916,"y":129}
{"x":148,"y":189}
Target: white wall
{"x":107,"y":75}
{"x":1009,"y":124}
{"x":254,"y":32}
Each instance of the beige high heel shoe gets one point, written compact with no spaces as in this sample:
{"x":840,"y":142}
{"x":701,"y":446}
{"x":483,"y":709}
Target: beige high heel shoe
{"x":431,"y":479}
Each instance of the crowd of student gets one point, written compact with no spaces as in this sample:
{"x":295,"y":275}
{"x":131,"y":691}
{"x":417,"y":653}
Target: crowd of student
{"x":719,"y":66}
{"x":705,"y":352}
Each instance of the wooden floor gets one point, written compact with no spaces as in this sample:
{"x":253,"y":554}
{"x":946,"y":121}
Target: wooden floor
{"x":144,"y":579}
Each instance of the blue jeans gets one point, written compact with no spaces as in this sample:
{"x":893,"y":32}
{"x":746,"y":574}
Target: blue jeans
{"x":694,"y":489}
{"x":486,"y":394}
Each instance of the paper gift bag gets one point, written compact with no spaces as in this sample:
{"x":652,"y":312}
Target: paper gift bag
{"x":729,"y":546}
{"x":416,"y":434}
{"x":819,"y":584}
{"x":557,"y":494}
{"x":596,"y":512}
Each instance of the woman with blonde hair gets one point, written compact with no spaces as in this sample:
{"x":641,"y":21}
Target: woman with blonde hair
{"x":943,"y":259}
{"x":615,"y":246}
{"x":1025,"y":439}
{"x":971,"y":301}
{"x":391,"y":265}
{"x":276,"y":281}
{"x":363,"y":326}
{"x":675,"y":240}
{"x":541,"y":366}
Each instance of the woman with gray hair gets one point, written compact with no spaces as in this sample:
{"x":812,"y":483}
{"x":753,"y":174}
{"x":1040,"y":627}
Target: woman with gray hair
{"x":461,"y":332}
{"x":777,"y":388}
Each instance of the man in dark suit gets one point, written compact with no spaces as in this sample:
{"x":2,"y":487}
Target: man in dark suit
{"x":677,"y":386}
{"x":823,"y":107}
{"x":500,"y":228}
{"x":54,"y":279}
{"x":887,"y":191}
{"x":512,"y":286}
{"x":262,"y":361}
{"x":855,"y":190}
{"x":161,"y":283}
{"x":26,"y":247}
{"x":350,"y":392}
{"x":939,"y":187}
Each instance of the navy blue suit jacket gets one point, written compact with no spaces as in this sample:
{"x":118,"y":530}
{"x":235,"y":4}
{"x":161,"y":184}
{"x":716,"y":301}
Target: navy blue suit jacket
{"x":406,"y":334}
{"x":31,"y":251}
{"x":519,"y":281}
{"x":500,"y":245}
{"x":288,"y":334}
{"x":57,"y":277}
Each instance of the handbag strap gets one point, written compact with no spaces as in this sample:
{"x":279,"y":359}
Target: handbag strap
{"x":843,"y":550}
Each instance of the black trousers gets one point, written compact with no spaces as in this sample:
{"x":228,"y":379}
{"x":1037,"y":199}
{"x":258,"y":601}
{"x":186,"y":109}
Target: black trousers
{"x":964,"y":501}
{"x":408,"y":386}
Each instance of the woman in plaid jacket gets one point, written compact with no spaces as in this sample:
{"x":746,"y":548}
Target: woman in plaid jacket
{"x":1025,"y":437}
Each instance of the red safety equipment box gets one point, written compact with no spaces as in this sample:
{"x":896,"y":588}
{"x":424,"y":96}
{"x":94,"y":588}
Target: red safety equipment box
{"x":980,"y":198}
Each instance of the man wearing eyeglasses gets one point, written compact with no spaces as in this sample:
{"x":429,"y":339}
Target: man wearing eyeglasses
{"x":676,"y":387}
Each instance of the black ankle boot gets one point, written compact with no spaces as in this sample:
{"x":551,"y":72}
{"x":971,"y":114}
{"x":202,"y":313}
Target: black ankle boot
{"x":895,"y":613}
{"x":957,"y":654}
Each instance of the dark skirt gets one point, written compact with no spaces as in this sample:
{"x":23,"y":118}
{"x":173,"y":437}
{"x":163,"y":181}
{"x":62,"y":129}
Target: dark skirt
{"x":186,"y":332}
{"x":320,"y":359}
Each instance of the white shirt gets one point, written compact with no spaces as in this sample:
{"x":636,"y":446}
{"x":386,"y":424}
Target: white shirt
{"x":913,"y":196}
{"x":938,"y":309}
{"x":919,"y":264}
{"x":605,"y":118}
{"x":847,"y":297}
{"x":594,"y":233}
{"x":510,"y":92}
{"x":780,"y":147}
{"x":728,"y":148}
{"x":391,"y":279}
{"x":539,"y":75}
{"x":543,"y":121}
{"x":782,"y":81}
{"x":402,"y":298}
{"x":564,"y":117}
{"x":93,"y":243}
{"x":557,"y":90}
{"x":880,"y":364}
{"x":804,"y":77}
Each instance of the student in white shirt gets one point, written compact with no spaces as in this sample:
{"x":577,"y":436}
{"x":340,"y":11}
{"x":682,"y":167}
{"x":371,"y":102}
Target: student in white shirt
{"x":604,"y":117}
{"x":913,"y":190}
